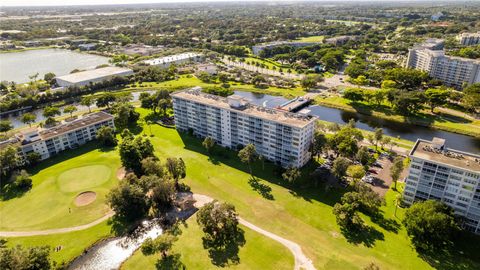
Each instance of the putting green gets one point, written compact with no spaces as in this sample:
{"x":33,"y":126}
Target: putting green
{"x":56,"y":183}
{"x":83,"y":178}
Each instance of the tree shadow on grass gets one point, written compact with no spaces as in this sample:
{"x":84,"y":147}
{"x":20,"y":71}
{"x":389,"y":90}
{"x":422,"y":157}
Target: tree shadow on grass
{"x":10,"y":191}
{"x":461,"y":255}
{"x":171,"y":262}
{"x":226,"y":254}
{"x":262,"y":189}
{"x":120,"y":226}
{"x":366,"y":235}
{"x":304,"y":187}
{"x":386,"y":223}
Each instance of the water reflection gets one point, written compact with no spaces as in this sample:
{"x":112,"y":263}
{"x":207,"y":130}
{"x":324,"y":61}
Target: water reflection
{"x":110,"y":254}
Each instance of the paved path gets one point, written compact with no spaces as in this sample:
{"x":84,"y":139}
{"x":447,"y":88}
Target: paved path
{"x":301,"y":260}
{"x":56,"y":231}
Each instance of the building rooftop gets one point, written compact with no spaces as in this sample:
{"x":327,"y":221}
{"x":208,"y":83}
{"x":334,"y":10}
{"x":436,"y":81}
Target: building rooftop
{"x":241,"y":105}
{"x":470,"y":34}
{"x":436,"y":151}
{"x":93,"y":74}
{"x":172,"y":58}
{"x":45,"y":134}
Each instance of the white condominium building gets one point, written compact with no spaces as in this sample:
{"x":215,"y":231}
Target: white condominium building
{"x":469,"y":39}
{"x":50,"y":141}
{"x":177,"y":59}
{"x":453,"y":71}
{"x":447,"y":175}
{"x":233,"y":122}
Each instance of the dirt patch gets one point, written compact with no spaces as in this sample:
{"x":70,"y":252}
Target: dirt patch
{"x":85,"y":198}
{"x":121,"y":173}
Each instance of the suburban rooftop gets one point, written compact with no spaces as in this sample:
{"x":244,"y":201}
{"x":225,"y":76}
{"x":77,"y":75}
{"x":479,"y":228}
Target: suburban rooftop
{"x":245,"y":107}
{"x":93,"y":74}
{"x":436,"y":151}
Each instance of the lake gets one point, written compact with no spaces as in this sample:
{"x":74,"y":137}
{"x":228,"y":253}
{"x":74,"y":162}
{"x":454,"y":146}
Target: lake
{"x":405,"y":131}
{"x":18,"y":66}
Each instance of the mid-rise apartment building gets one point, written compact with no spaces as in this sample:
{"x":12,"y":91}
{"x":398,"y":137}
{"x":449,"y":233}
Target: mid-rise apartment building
{"x":50,"y":141}
{"x":447,"y":175}
{"x":279,"y":136}
{"x":468,"y":39}
{"x":453,"y":71}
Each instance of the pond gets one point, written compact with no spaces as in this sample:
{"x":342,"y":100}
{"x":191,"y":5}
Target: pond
{"x":17,"y":122}
{"x":405,"y":131}
{"x":111,"y":253}
{"x":18,"y":66}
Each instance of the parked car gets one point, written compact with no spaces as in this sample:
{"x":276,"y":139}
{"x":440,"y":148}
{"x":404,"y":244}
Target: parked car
{"x":368,"y":179}
{"x":377,"y":164}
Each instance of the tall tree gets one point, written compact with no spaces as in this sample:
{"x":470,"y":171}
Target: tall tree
{"x":5,"y":126}
{"x":176,"y":168}
{"x":248,"y":155}
{"x":128,"y":201}
{"x":340,"y":166}
{"x":70,"y":109}
{"x":471,"y":98}
{"x":436,"y":97}
{"x":208,"y":143}
{"x":28,"y":118}
{"x":88,"y":101}
{"x":430,"y":224}
{"x":291,"y":175}
{"x":396,"y":170}
{"x":51,"y":111}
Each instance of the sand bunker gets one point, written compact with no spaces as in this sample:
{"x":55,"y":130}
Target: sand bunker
{"x":85,"y":198}
{"x":121,"y":173}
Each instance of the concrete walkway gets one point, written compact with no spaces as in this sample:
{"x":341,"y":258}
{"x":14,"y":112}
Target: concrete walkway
{"x":301,"y":260}
{"x":56,"y":231}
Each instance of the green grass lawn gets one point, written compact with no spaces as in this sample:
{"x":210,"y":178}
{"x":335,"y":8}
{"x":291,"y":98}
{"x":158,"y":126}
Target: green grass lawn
{"x":311,"y":39}
{"x":56,"y":183}
{"x":259,"y":252}
{"x":73,"y":244}
{"x":442,"y":121}
{"x":301,"y":215}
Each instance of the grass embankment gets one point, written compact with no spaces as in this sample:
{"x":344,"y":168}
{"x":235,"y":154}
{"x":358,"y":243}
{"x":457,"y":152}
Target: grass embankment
{"x":27,"y":49}
{"x":303,"y":215}
{"x":258,"y":252}
{"x":311,"y":39}
{"x":56,"y":183}
{"x":442,"y":121}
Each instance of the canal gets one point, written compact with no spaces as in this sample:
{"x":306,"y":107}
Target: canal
{"x":403,"y":130}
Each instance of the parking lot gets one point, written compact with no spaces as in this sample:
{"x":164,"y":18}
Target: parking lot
{"x":382,"y":179}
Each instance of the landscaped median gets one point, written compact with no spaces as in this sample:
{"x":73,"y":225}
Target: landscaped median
{"x":426,"y":119}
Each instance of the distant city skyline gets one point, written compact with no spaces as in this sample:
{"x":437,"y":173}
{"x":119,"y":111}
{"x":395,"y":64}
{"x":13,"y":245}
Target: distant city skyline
{"x":6,"y":3}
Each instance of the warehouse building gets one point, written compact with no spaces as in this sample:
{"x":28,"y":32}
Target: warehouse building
{"x":177,"y":59}
{"x":83,"y":78}
{"x":279,"y":136}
